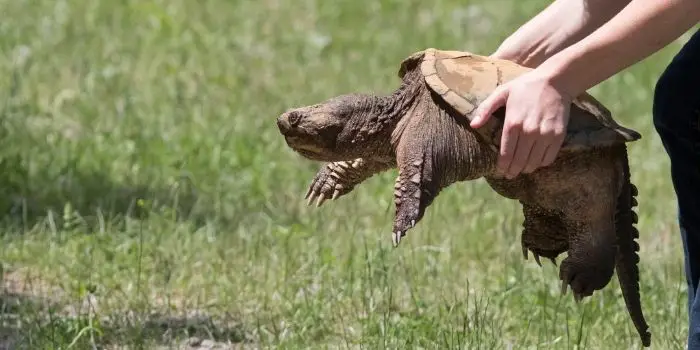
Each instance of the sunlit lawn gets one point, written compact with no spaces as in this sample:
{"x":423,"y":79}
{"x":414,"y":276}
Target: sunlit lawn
{"x":148,"y":196}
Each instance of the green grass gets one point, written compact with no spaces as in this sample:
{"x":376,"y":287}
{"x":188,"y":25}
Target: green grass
{"x":148,"y":196}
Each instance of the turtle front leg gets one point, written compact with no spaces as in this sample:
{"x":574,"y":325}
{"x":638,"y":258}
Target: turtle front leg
{"x":423,"y":173}
{"x":336,"y":179}
{"x":414,"y":191}
{"x":435,"y":150}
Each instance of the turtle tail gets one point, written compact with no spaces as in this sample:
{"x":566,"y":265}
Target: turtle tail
{"x":627,"y":256}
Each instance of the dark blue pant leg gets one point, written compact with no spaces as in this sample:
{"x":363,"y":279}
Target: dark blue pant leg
{"x":676,"y":119}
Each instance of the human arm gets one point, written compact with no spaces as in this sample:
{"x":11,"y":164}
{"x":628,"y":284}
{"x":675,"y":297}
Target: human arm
{"x":537,"y":103}
{"x":639,"y":30}
{"x":559,"y":25}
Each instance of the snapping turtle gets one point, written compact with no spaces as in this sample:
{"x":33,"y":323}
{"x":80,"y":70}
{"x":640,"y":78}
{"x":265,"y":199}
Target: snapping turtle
{"x":580,"y":204}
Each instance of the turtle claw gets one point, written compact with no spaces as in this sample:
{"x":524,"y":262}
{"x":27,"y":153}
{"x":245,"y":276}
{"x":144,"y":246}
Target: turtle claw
{"x":537,"y":259}
{"x":318,"y":197}
{"x":310,"y":197}
{"x":564,"y":287}
{"x":396,"y":238}
{"x":410,"y":200}
{"x":313,"y":194}
{"x":330,"y":182}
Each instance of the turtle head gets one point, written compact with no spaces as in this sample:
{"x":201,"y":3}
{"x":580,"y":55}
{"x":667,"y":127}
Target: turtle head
{"x":340,"y":128}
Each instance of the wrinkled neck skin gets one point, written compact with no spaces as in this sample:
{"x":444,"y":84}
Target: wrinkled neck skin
{"x":432,"y":126}
{"x":368,"y":132}
{"x":415,"y":114}
{"x":463,"y":154}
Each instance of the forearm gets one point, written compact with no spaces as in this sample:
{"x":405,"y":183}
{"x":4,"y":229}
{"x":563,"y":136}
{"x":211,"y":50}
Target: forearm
{"x":640,"y":29}
{"x":561,"y":24}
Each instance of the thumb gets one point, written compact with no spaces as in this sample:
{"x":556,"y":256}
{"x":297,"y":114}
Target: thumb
{"x":494,"y":101}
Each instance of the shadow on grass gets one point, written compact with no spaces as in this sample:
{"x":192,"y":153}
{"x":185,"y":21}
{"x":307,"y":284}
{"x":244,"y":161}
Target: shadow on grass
{"x":38,"y":179}
{"x":30,"y":322}
{"x":93,"y":196}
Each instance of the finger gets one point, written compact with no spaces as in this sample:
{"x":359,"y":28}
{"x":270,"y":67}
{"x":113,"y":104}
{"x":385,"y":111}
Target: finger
{"x":552,"y":151}
{"x":522,"y":154}
{"x":536,"y":156}
{"x":494,"y":101}
{"x":558,"y":134}
{"x":509,"y":140}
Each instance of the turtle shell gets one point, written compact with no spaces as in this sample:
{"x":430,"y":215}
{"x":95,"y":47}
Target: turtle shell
{"x":464,"y":80}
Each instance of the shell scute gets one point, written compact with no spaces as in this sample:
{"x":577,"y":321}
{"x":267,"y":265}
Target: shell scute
{"x":464,"y":80}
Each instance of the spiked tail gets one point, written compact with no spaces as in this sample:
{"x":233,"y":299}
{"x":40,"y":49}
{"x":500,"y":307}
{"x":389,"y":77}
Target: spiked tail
{"x":627,"y":257}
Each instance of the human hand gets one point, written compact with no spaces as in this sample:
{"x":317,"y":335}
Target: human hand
{"x":537,"y":114}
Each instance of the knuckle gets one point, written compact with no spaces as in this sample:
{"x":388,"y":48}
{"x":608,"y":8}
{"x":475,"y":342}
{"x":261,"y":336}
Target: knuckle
{"x":513,"y":122}
{"x":530,"y":129}
{"x":513,"y":127}
{"x":551,"y":130}
{"x":548,"y":132}
{"x":559,"y":131}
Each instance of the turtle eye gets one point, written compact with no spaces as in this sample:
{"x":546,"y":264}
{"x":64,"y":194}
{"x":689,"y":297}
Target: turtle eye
{"x":294,"y":118}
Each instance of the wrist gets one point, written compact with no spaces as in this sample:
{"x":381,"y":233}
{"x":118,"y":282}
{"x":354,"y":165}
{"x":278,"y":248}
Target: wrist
{"x":557,"y":72}
{"x":528,"y":53}
{"x":640,"y":29}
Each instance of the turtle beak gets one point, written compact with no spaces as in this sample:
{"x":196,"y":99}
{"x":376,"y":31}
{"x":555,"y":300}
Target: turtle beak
{"x":283,"y":124}
{"x":288,"y":121}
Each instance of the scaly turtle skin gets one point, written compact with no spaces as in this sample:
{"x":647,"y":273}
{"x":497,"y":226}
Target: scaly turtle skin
{"x":580,"y":204}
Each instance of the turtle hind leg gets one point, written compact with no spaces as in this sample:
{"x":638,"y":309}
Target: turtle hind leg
{"x":544,"y":233}
{"x":590,"y":263}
